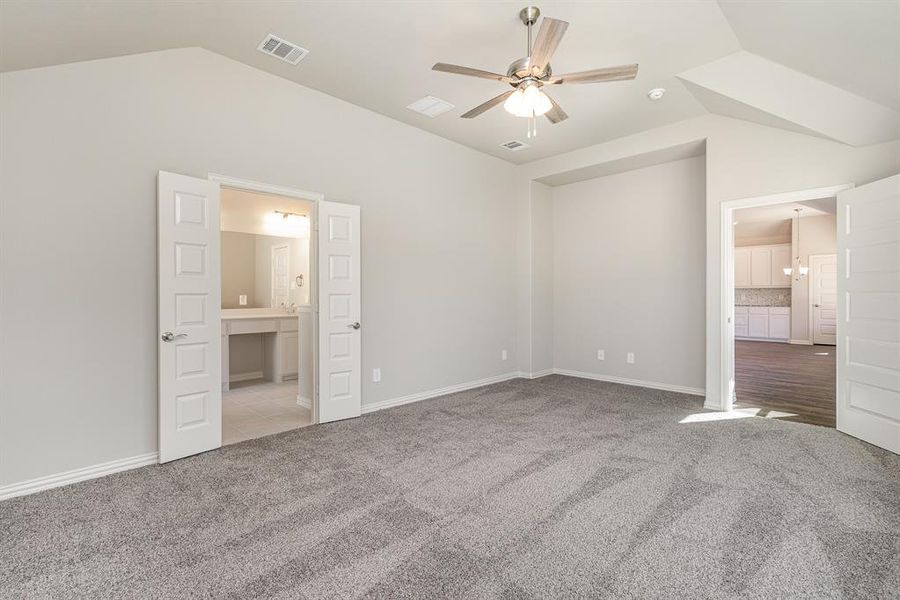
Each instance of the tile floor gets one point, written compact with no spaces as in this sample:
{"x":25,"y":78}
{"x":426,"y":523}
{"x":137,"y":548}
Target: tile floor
{"x":252,"y":409}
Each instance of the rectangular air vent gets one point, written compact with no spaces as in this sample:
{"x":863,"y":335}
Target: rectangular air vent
{"x":514,"y":145}
{"x":286,"y":51}
{"x":430,"y":106}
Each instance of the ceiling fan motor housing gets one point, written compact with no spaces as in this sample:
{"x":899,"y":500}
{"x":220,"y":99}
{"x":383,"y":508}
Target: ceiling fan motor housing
{"x":521,"y":70}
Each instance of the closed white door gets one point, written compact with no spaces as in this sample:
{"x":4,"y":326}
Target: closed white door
{"x":190,"y":388}
{"x":340,"y":360}
{"x":760,"y":267}
{"x":741,"y":267}
{"x":868,"y":302}
{"x":281,"y":268}
{"x":823,"y":294}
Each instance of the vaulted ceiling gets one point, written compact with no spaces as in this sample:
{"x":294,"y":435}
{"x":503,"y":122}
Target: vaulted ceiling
{"x":827,"y":68}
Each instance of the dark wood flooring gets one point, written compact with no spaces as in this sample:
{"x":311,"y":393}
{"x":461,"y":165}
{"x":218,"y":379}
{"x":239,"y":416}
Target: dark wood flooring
{"x":787,"y":378}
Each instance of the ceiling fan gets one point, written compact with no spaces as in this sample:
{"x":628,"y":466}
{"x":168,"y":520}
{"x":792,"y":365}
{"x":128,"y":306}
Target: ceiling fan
{"x":530,"y":74}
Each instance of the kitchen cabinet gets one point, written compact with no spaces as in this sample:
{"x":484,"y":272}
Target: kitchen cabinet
{"x":762,"y":323}
{"x":762,"y":266}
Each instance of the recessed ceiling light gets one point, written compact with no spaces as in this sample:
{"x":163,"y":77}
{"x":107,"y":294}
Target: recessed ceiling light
{"x":656,"y":93}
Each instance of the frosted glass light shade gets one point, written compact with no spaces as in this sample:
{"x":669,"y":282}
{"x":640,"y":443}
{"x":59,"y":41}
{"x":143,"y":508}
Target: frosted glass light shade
{"x":528,"y":102}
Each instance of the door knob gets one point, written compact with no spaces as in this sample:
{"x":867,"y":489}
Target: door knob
{"x":354,"y":325}
{"x":816,"y":305}
{"x":168,"y":336}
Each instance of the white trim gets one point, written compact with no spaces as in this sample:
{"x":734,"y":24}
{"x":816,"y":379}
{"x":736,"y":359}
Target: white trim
{"x":232,"y":378}
{"x":536,"y":374}
{"x":724,"y":368}
{"x":451,"y":389}
{"x":770,"y":340}
{"x":258,"y":186}
{"x":60,"y":479}
{"x":304,"y":402}
{"x":654,"y":385}
{"x":800,"y":342}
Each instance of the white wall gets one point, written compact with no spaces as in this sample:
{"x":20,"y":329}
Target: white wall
{"x":818,"y":235}
{"x":81,"y":146}
{"x":629,"y":270}
{"x":743,"y":160}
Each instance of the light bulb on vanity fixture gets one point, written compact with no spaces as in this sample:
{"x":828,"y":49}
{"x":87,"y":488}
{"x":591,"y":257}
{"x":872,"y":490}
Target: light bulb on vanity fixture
{"x":802,"y":271}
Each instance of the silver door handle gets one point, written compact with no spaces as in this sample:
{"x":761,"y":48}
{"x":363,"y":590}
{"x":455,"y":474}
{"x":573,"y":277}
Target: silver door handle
{"x":354,"y":325}
{"x":168,"y":336}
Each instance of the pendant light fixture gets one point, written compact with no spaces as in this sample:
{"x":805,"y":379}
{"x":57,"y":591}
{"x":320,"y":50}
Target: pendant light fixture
{"x":801,"y":270}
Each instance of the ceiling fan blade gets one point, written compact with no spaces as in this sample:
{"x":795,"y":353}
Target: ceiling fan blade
{"x":555,"y":114}
{"x":620,"y":73}
{"x":446,"y":68}
{"x":548,"y":38}
{"x":487,"y":105}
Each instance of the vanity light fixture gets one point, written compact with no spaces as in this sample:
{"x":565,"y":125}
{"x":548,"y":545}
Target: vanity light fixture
{"x":801,"y":270}
{"x":287,"y":215}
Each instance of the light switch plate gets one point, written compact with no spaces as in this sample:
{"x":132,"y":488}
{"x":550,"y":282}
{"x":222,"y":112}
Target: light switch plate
{"x":242,"y":299}
{"x":503,"y":355}
{"x":376,"y":374}
{"x":629,"y":358}
{"x":601,"y":355}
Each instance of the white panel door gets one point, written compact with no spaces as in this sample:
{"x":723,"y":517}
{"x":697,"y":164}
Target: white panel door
{"x":868,"y":302}
{"x":760,"y":267}
{"x":741,"y":267}
{"x":781,"y":258}
{"x":281,"y":267}
{"x":823,"y":295}
{"x":190,"y":363}
{"x":340,"y":361}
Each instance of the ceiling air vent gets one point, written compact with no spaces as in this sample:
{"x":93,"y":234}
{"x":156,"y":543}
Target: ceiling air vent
{"x":514,"y":145}
{"x":286,"y":51}
{"x":430,"y":106}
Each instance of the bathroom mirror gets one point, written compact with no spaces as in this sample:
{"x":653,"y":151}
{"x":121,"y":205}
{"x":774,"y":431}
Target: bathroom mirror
{"x":263,"y":271}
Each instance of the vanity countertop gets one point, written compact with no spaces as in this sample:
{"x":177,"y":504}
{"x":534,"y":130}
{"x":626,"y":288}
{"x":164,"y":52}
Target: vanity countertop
{"x":232,"y":314}
{"x":765,"y":305}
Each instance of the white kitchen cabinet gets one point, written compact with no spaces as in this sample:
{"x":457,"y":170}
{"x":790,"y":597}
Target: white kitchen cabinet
{"x":758,"y":322}
{"x":781,"y":258}
{"x":741,"y":267}
{"x":762,"y":323}
{"x":779,"y":323}
{"x":762,"y":266}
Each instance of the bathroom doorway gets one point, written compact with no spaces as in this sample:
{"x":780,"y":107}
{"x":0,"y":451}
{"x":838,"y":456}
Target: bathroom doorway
{"x":267,"y":316}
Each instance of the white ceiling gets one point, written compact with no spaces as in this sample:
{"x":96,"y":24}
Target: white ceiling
{"x":772,"y":224}
{"x":379,"y":54}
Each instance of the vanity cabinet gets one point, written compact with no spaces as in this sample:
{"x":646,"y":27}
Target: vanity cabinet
{"x":280,"y":342}
{"x":762,"y":266}
{"x":762,"y":323}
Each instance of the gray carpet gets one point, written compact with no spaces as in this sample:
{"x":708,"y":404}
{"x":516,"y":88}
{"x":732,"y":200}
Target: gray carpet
{"x":554,"y":488}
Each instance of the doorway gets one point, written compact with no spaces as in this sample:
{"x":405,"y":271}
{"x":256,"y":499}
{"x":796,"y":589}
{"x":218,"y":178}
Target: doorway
{"x":267,"y":334}
{"x":780,"y":296}
{"x":317,"y":329}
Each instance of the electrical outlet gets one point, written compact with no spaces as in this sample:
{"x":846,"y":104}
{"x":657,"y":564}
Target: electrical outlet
{"x":601,"y":355}
{"x":629,"y":358}
{"x":376,"y":374}
{"x":242,"y":300}
{"x":503,"y":355}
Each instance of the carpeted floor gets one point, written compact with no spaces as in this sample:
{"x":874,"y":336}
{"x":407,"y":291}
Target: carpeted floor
{"x":553,"y":488}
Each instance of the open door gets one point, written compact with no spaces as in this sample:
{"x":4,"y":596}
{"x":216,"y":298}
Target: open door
{"x":190,"y":382}
{"x":340,"y":361}
{"x":868,"y":299}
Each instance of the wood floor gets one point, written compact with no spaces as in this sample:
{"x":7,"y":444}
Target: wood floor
{"x":786,"y":378}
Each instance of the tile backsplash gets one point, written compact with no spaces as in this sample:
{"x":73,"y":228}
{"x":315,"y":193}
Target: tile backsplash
{"x":762,"y":296}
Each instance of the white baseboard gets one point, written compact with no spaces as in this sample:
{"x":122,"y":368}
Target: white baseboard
{"x":304,"y":402}
{"x":635,"y":382}
{"x":536,"y":374}
{"x":801,"y":342}
{"x":770,"y":340}
{"x":234,"y":377}
{"x":461,"y":387}
{"x":60,"y":479}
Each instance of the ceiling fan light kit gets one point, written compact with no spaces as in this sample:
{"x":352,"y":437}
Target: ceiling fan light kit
{"x":530,"y":74}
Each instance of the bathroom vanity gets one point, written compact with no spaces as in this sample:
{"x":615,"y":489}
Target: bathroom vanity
{"x":280,"y":336}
